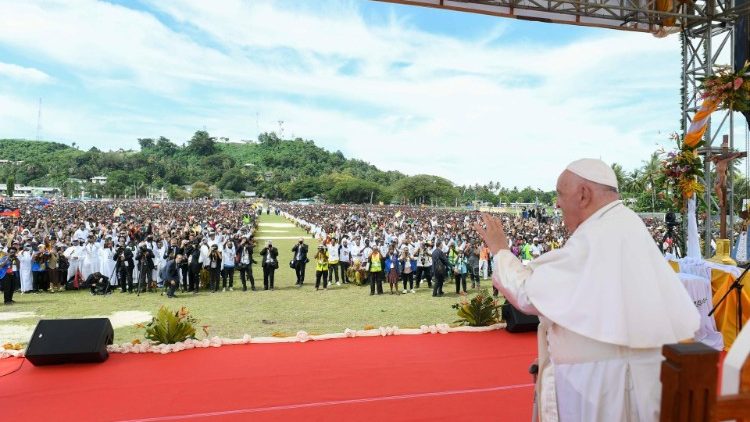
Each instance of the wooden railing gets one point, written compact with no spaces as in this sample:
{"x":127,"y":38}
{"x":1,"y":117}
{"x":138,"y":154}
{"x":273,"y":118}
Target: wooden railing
{"x":690,"y":382}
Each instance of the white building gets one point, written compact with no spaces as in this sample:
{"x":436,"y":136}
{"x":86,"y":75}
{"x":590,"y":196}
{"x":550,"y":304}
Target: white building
{"x":21,"y":191}
{"x":99,"y":180}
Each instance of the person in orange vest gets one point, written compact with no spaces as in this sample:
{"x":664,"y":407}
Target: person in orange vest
{"x":484,"y":259}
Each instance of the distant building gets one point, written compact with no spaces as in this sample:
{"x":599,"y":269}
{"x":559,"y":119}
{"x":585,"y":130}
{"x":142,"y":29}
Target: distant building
{"x":10,"y":162}
{"x":21,"y":191}
{"x":247,"y":194}
{"x":99,"y":180}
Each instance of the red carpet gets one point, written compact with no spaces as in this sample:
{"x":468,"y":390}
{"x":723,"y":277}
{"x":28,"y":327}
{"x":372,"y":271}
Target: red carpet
{"x":478,"y":376}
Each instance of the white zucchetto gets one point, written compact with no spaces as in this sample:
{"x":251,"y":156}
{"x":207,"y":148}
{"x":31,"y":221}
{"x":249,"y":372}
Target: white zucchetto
{"x":594,"y":170}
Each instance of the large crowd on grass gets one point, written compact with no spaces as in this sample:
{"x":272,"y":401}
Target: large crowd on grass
{"x":140,"y":245}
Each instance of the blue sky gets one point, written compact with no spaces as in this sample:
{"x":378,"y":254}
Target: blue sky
{"x":469,"y":97}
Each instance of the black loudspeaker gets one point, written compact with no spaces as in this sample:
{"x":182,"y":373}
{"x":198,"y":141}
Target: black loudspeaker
{"x":57,"y":341}
{"x":518,"y":322}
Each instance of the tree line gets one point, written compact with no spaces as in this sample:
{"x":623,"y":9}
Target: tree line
{"x":206,"y":167}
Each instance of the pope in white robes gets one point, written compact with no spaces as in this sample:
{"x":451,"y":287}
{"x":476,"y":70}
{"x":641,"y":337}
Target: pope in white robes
{"x":607,"y":302}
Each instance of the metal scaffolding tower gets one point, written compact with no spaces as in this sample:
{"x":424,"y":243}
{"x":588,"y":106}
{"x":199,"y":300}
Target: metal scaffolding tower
{"x":706,"y":29}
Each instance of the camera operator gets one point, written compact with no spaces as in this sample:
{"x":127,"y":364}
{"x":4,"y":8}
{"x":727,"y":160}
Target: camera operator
{"x":145,"y":258}
{"x":214,"y":268}
{"x":270,"y":263}
{"x":98,"y":283}
{"x":245,"y":262}
{"x":124,"y":266}
{"x":184,"y":250}
{"x":193,"y":252}
{"x":172,"y":275}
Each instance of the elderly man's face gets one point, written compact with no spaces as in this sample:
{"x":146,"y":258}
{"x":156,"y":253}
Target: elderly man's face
{"x":569,"y":200}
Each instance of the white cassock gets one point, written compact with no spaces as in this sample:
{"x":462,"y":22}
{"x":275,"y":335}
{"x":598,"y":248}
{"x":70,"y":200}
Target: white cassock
{"x":72,"y":253}
{"x":89,"y":259}
{"x":608,"y":302}
{"x":107,"y":264}
{"x":27,"y":283}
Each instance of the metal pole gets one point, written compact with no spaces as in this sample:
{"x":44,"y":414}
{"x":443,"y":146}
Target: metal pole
{"x":730,"y":184}
{"x":708,"y":70}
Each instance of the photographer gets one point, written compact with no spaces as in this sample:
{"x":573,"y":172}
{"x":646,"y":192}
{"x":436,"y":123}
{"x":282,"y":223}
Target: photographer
{"x":98,"y":283}
{"x":124,"y":266}
{"x":145,"y":258}
{"x":172,"y":275}
{"x":245,"y":263}
{"x":300,"y":260}
{"x":214,"y":268}
{"x":194,"y":266}
{"x":228,"y":255}
{"x":270,"y":263}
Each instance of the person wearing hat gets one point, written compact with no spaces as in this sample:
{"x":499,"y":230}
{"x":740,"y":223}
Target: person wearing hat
{"x":607,"y":301}
{"x":270,"y":263}
{"x":300,"y":260}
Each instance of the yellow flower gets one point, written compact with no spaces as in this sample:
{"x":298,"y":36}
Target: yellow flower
{"x":135,"y":341}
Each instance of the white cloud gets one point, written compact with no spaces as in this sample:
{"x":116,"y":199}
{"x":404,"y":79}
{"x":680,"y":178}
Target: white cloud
{"x":471,"y":110}
{"x":23,"y":74}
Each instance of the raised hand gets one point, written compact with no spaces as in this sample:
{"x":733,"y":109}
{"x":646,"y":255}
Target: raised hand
{"x":492,"y":233}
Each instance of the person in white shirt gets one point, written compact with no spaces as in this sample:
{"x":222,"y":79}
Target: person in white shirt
{"x":536,"y":249}
{"x":345,"y":260}
{"x":72,"y":254}
{"x":333,"y":261}
{"x":227,"y":262}
{"x":82,"y":234}
{"x":27,"y":282}
{"x":607,"y":303}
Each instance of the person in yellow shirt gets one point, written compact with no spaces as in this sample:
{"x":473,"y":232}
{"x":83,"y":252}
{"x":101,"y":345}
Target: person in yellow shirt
{"x":321,"y":267}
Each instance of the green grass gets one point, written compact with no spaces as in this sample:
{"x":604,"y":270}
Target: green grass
{"x":232,"y":314}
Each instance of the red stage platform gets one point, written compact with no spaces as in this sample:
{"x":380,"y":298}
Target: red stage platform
{"x":458,"y":376}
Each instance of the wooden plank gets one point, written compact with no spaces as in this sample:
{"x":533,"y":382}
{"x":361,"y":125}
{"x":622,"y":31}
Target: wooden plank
{"x":736,"y":406}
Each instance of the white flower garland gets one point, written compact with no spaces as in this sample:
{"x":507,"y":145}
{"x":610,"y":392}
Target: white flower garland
{"x":301,"y":337}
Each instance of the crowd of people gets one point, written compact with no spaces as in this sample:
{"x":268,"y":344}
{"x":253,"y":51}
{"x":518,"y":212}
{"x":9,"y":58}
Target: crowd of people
{"x":135,"y":245}
{"x":140,"y":245}
{"x":408,"y":246}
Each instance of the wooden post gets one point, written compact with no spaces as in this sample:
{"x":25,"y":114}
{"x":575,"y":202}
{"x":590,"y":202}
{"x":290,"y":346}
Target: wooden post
{"x":689,"y":383}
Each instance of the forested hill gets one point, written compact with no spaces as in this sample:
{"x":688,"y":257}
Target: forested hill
{"x":272,"y":167}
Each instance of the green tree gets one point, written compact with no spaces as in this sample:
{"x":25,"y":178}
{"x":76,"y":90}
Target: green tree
{"x":355,"y":190}
{"x":200,"y":190}
{"x":202,"y":144}
{"x":426,"y":189}
{"x":10,"y":185}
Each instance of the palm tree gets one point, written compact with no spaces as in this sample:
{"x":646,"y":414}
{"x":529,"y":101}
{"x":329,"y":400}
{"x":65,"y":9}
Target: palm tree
{"x":620,"y":174}
{"x":650,"y":172}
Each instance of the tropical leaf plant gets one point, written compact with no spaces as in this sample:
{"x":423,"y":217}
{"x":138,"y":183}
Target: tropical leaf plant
{"x":170,"y":327}
{"x":482,"y":310}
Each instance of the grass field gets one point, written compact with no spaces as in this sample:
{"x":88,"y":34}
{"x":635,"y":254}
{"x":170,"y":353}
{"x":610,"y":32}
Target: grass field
{"x":283,"y":311}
